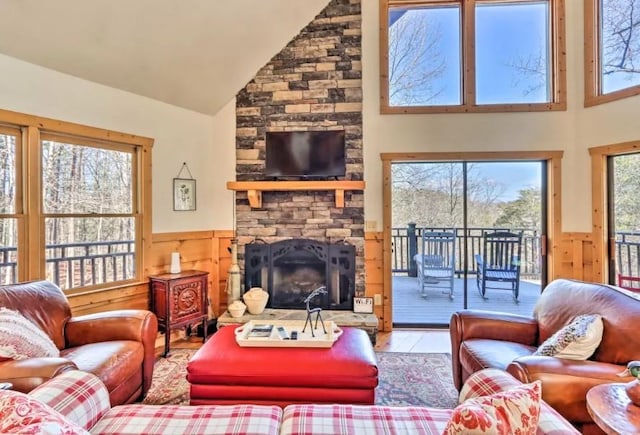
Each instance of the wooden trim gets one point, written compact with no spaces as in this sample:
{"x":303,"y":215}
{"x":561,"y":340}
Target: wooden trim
{"x":554,"y":213}
{"x":469,"y":104}
{"x":498,"y":156}
{"x":52,"y":125}
{"x":187,"y":235}
{"x":593,"y":93}
{"x":145,"y":205}
{"x":591,"y":64}
{"x":559,"y":57}
{"x":468,"y":61}
{"x":554,"y":217}
{"x":387,"y":294}
{"x":254,"y":189}
{"x":383,"y":33}
{"x":600,"y":205}
{"x":32,"y":181}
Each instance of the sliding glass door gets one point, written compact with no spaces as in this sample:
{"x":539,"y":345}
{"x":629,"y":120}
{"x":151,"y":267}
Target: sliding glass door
{"x":466,"y":235}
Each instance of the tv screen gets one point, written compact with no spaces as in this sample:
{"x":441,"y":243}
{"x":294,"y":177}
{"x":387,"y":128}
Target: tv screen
{"x":305,"y":154}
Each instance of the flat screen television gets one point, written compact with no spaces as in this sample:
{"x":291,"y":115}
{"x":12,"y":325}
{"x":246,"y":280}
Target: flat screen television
{"x":305,"y":154}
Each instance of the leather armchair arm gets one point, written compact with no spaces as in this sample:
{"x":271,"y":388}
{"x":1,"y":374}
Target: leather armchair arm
{"x":26,"y":374}
{"x":467,"y":324}
{"x":136,"y":325}
{"x":114,"y":325}
{"x":566,"y":382}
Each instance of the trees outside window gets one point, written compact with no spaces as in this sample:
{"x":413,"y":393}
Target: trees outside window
{"x":75,"y":215}
{"x":612,"y":50}
{"x":472,"y":56}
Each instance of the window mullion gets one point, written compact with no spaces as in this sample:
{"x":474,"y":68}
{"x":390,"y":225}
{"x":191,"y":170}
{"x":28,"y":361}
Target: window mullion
{"x":34,"y":224}
{"x":468,"y":53}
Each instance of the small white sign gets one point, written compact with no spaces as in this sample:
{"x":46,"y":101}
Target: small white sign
{"x":363,"y":305}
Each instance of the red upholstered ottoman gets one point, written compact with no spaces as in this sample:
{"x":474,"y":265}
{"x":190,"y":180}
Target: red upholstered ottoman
{"x":222,"y":372}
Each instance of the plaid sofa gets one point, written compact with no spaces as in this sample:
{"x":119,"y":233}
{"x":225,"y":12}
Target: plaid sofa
{"x":83,"y":399}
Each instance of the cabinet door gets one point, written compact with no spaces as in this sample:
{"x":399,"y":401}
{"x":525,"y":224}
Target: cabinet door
{"x":186,"y":299}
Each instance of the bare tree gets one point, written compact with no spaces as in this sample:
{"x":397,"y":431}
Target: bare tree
{"x":415,"y":60}
{"x":620,"y":36}
{"x":431,"y":195}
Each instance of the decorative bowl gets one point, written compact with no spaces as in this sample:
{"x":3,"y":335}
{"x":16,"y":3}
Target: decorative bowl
{"x":255,"y":299}
{"x":237,"y":309}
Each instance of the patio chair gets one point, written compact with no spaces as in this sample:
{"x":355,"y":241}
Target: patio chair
{"x":436,"y":261}
{"x":499,"y":262}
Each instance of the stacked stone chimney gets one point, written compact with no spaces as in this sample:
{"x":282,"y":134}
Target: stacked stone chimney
{"x":314,"y":83}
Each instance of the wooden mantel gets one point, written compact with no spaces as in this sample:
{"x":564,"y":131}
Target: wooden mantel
{"x":254,"y":189}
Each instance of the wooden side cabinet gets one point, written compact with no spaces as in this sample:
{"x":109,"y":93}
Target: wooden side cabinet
{"x":179,"y":300}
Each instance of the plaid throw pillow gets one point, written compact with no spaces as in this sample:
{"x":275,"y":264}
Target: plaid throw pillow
{"x":577,"y":341}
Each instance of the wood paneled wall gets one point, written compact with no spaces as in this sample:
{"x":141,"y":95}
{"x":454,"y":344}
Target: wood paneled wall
{"x":201,"y":250}
{"x":208,"y":250}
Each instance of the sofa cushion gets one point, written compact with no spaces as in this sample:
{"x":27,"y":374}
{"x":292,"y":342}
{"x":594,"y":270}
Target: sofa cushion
{"x":21,"y":339}
{"x":577,"y":340}
{"x":20,"y":413}
{"x":190,"y":420}
{"x":363,"y":419}
{"x":516,"y":410}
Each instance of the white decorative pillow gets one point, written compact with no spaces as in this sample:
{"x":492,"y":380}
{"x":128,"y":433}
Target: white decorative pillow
{"x":578,"y":340}
{"x":514,"y":411}
{"x":21,"y":339}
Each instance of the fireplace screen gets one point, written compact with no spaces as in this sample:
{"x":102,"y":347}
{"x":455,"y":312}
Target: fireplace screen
{"x":290,"y":270}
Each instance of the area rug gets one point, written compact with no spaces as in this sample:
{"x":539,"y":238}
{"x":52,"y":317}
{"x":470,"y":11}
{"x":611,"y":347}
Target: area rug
{"x":422,"y":379}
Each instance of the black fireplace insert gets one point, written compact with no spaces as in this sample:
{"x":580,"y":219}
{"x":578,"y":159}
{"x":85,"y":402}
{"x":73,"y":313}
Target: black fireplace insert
{"x":290,"y":270}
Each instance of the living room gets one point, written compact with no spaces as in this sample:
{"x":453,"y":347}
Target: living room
{"x":202,"y":127}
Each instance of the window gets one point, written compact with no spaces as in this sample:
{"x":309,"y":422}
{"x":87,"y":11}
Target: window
{"x":10,"y":205}
{"x":75,"y":216}
{"x":612,"y":43}
{"x":472,"y":56}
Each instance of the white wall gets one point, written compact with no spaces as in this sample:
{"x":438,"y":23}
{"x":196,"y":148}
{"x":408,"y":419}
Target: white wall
{"x":207,"y":144}
{"x":571,"y":131}
{"x":180,"y":136}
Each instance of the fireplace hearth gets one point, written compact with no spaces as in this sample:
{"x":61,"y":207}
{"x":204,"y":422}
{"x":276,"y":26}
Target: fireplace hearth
{"x":290,"y":270}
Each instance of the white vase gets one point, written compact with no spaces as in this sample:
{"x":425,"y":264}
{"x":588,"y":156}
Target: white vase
{"x":255,"y":300}
{"x":175,"y":262}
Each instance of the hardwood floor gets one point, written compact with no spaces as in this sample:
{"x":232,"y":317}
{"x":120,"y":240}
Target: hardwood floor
{"x":399,"y":340}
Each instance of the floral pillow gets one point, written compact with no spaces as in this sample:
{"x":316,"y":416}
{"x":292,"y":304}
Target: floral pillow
{"x":21,"y":339}
{"x":578,"y":340}
{"x":514,"y":411}
{"x":20,"y":413}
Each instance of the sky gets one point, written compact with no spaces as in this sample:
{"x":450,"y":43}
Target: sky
{"x":504,"y":34}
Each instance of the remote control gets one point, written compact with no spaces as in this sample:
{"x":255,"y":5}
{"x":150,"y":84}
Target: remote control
{"x":294,"y":335}
{"x":283,"y":333}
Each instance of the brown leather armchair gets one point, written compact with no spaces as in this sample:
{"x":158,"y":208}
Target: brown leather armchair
{"x":481,"y":339}
{"x":117,"y":346}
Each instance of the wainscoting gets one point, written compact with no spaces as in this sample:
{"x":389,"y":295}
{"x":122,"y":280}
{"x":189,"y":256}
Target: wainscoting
{"x":207,"y":250}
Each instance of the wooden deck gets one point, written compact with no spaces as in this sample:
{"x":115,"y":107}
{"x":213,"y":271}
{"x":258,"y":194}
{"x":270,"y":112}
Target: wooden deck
{"x":411,"y":309}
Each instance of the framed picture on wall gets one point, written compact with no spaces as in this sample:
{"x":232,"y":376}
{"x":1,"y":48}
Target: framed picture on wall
{"x":184,"y":194}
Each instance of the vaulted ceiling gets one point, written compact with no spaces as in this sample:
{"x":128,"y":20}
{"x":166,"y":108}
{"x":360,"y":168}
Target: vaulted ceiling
{"x":194,"y":54}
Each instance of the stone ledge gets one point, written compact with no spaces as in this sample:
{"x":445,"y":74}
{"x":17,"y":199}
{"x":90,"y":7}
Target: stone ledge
{"x":366,"y":322}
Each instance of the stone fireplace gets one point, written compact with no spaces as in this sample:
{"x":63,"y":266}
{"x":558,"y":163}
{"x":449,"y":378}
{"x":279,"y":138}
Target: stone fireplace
{"x":290,"y":270}
{"x":314,"y":83}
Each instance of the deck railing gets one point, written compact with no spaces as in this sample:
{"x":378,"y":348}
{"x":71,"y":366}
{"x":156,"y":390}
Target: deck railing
{"x":405,"y":244}
{"x":73,"y":265}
